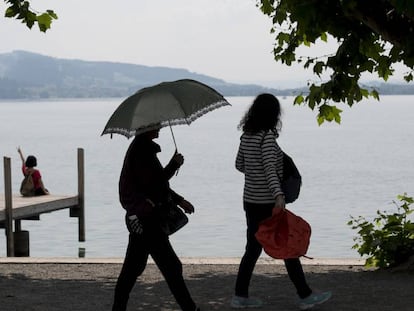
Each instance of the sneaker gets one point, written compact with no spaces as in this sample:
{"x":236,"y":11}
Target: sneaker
{"x":313,"y":300}
{"x":238,"y":302}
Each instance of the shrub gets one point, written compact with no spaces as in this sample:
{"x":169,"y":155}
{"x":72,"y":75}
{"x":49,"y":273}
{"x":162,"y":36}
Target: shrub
{"x":388,"y":240}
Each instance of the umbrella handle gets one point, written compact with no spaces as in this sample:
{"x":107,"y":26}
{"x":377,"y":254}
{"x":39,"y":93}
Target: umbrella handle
{"x":172,"y":133}
{"x":176,"y":172}
{"x":175,"y":144}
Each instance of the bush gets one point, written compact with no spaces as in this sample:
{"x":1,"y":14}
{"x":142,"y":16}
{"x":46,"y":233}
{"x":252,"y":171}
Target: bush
{"x":389,"y":239}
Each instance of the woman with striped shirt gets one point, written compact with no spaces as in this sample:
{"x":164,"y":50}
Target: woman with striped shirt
{"x":260,"y":159}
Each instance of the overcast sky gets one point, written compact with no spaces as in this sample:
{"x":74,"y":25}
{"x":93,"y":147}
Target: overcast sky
{"x":225,"y":39}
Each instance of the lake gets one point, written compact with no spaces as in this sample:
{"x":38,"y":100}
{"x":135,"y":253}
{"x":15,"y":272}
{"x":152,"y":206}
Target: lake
{"x":354,"y":169}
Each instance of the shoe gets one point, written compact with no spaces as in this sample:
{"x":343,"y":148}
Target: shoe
{"x":313,"y":300}
{"x":238,"y":302}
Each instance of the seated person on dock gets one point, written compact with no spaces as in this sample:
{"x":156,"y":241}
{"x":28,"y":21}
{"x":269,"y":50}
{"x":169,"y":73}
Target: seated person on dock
{"x":28,"y":168}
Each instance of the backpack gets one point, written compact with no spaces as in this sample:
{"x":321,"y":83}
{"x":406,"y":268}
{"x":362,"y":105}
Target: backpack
{"x":27,"y":188}
{"x":292,"y":180}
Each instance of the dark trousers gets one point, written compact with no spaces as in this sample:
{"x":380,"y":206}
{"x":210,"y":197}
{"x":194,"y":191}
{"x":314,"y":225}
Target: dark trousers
{"x":156,"y":244}
{"x":255,"y":213}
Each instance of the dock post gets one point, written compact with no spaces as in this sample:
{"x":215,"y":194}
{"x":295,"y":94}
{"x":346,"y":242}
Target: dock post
{"x":81,"y":194}
{"x":8,"y":207}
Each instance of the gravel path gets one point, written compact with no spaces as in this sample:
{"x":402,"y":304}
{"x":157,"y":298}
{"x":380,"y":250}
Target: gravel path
{"x":90,"y":286}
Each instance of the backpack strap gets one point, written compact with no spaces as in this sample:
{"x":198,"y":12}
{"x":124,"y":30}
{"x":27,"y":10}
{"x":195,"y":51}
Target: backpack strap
{"x":30,"y":173}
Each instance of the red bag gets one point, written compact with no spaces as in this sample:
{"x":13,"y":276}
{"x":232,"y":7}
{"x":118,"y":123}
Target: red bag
{"x":284,"y":235}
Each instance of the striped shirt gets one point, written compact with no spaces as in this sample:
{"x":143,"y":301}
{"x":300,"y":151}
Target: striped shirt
{"x":261,"y":160}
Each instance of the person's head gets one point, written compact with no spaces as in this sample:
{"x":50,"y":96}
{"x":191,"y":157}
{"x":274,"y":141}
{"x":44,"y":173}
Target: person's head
{"x":31,"y":161}
{"x":263,"y":115}
{"x":152,"y":133}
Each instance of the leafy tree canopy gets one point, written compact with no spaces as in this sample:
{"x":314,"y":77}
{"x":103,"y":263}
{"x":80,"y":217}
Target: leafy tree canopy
{"x":21,"y":10}
{"x":372,"y":36}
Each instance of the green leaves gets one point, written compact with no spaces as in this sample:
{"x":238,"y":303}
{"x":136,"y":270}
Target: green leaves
{"x":369,"y":40}
{"x":329,"y":113}
{"x":389,"y":239}
{"x":298,"y":100}
{"x":266,"y":6}
{"x":408,"y":77}
{"x":45,"y":20}
{"x":21,"y":10}
{"x":318,"y":67}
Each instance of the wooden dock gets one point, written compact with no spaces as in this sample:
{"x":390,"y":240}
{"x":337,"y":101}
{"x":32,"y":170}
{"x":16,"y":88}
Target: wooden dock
{"x":14,"y":208}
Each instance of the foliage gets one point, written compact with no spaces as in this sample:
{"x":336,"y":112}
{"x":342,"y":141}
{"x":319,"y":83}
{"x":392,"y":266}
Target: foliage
{"x":372,"y":36}
{"x":389,"y":239}
{"x":21,"y":10}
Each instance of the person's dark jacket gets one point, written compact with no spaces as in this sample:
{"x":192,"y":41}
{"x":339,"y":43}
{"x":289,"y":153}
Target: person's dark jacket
{"x":143,"y":178}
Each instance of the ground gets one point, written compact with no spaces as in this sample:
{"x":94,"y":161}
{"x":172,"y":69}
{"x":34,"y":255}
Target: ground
{"x":85,"y":287}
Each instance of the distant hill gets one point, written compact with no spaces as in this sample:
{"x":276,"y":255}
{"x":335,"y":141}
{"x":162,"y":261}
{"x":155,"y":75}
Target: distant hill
{"x":26,"y":75}
{"x":29,"y":75}
{"x":391,"y":88}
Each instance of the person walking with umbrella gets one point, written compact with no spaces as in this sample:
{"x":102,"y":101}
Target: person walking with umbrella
{"x":144,"y":191}
{"x":260,"y":159}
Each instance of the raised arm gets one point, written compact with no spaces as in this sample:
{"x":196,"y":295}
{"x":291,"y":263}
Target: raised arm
{"x":21,"y":154}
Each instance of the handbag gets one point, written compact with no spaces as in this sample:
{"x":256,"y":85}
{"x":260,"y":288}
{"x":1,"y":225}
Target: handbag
{"x":172,"y":218}
{"x":284,"y":235}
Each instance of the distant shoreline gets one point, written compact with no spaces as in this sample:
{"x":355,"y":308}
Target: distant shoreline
{"x":184,"y":260}
{"x":68,"y":99}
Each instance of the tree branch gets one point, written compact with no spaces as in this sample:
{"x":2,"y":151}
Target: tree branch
{"x":383,"y":19}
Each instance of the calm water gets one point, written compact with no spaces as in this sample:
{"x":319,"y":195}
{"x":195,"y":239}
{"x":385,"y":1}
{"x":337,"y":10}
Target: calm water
{"x":350,"y":169}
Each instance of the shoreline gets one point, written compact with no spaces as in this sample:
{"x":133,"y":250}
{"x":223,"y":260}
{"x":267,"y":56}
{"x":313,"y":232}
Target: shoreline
{"x":184,"y":260}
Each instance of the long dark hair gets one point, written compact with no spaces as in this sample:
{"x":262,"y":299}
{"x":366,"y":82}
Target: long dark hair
{"x":263,"y":115}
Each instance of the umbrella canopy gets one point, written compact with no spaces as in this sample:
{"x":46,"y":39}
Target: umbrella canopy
{"x":284,"y":235}
{"x":164,"y":104}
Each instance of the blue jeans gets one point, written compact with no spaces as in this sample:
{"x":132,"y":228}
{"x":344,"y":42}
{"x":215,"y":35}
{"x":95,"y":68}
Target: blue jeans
{"x":255,"y":213}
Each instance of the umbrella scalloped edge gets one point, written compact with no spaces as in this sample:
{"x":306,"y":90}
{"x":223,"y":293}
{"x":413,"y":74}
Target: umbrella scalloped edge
{"x":187,"y":120}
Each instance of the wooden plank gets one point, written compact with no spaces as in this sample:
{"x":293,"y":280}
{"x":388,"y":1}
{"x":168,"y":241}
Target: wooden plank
{"x":16,"y":207}
{"x":24,"y":207}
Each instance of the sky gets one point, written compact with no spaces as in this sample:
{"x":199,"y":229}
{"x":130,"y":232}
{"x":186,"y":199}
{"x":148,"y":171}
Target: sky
{"x":225,"y":39}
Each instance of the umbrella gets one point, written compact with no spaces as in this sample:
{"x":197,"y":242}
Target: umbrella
{"x":284,"y":235}
{"x":164,"y":104}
